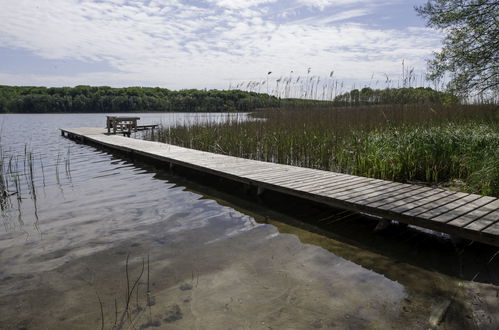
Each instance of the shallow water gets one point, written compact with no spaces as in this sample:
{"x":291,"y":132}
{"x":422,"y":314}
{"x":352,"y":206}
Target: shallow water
{"x":203,"y":256}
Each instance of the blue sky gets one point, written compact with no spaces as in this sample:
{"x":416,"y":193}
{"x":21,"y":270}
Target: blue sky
{"x":208,"y":43}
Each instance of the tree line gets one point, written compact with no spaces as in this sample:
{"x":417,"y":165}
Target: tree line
{"x":409,"y":95}
{"x":103,"y":99}
{"x":148,"y":99}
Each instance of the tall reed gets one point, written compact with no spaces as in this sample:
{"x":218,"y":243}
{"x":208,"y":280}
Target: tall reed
{"x":406,"y":143}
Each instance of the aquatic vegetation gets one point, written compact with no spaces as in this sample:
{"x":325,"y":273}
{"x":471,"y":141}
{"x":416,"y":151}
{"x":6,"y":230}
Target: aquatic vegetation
{"x":21,"y":175}
{"x":458,"y":146}
{"x":129,"y":317}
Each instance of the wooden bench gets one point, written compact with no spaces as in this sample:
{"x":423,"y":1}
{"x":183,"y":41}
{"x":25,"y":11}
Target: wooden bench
{"x":125,"y":125}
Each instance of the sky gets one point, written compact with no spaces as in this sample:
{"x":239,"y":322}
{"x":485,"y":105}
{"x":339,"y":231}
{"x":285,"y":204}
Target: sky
{"x":179,"y":44}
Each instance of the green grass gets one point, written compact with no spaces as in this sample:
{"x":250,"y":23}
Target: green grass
{"x":457,"y":147}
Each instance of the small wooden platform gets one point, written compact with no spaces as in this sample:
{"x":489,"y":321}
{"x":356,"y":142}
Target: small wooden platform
{"x":469,"y":216}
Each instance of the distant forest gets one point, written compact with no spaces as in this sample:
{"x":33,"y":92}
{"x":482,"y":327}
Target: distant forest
{"x":147,"y":99}
{"x":129,"y":99}
{"x":409,"y":95}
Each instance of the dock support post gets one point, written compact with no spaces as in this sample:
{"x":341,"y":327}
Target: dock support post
{"x":246,"y":188}
{"x":382,"y":225}
{"x":260,"y":190}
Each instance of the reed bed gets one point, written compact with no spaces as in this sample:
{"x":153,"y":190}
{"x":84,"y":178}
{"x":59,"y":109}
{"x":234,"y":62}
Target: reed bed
{"x":456,"y":146}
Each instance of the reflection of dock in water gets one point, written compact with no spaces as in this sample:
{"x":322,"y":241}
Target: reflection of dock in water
{"x":469,"y":216}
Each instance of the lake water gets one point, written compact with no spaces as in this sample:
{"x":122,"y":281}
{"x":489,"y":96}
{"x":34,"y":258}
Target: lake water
{"x":91,"y":239}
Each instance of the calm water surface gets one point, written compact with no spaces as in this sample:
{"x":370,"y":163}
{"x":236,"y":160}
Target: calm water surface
{"x":92,"y":240}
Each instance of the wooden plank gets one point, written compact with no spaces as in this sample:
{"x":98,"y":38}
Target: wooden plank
{"x":395,"y":187}
{"x":459,"y":211}
{"x":435,"y":203}
{"x":484,"y":222}
{"x":302,"y":184}
{"x":278,"y":169}
{"x":417,"y":202}
{"x":326,"y":180}
{"x":388,"y":194}
{"x":339,"y":191}
{"x":448,"y":207}
{"x":251,"y":169}
{"x":243,"y":169}
{"x":214,"y":163}
{"x":409,"y":202}
{"x":317,"y":173}
{"x":413,"y":193}
{"x":225,"y":166}
{"x":362,"y":191}
{"x":277,"y":175}
{"x":297,"y":178}
{"x":340,"y":182}
{"x":297,"y":182}
{"x":302,"y":177}
{"x":492,"y":230}
{"x":257,"y":175}
{"x":254,"y":172}
{"x":223,"y":161}
{"x":469,"y":217}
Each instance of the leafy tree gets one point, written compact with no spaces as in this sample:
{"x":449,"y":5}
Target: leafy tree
{"x":419,"y":95}
{"x":131,"y":99}
{"x":471,"y":45}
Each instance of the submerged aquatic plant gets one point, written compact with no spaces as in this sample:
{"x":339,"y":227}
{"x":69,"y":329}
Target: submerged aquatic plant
{"x":128,"y":317}
{"x":22,"y":173}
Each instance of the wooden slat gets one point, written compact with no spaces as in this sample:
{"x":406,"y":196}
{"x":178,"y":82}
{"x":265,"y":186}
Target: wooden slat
{"x":251,"y":170}
{"x":349,"y":184}
{"x":411,"y":203}
{"x":340,"y":183}
{"x":362,"y":191}
{"x":236,"y":165}
{"x":467,"y":218}
{"x":278,"y":169}
{"x":304,"y":184}
{"x":448,"y":207}
{"x":361,"y":187}
{"x":257,"y":175}
{"x":462,"y":210}
{"x":484,"y":222}
{"x":302,"y":177}
{"x":492,"y":230}
{"x":395,"y":188}
{"x":414,"y":194}
{"x":435,"y":203}
{"x":326,"y":182}
{"x":389,"y":194}
{"x":315,"y":179}
{"x":282,"y":176}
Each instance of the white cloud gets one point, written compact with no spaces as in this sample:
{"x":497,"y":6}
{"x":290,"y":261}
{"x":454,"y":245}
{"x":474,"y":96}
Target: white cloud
{"x":340,"y":16}
{"x":240,"y":4}
{"x":321,"y":4}
{"x":177,"y":44}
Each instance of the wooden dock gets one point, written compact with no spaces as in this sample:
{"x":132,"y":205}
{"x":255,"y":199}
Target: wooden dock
{"x":469,"y":216}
